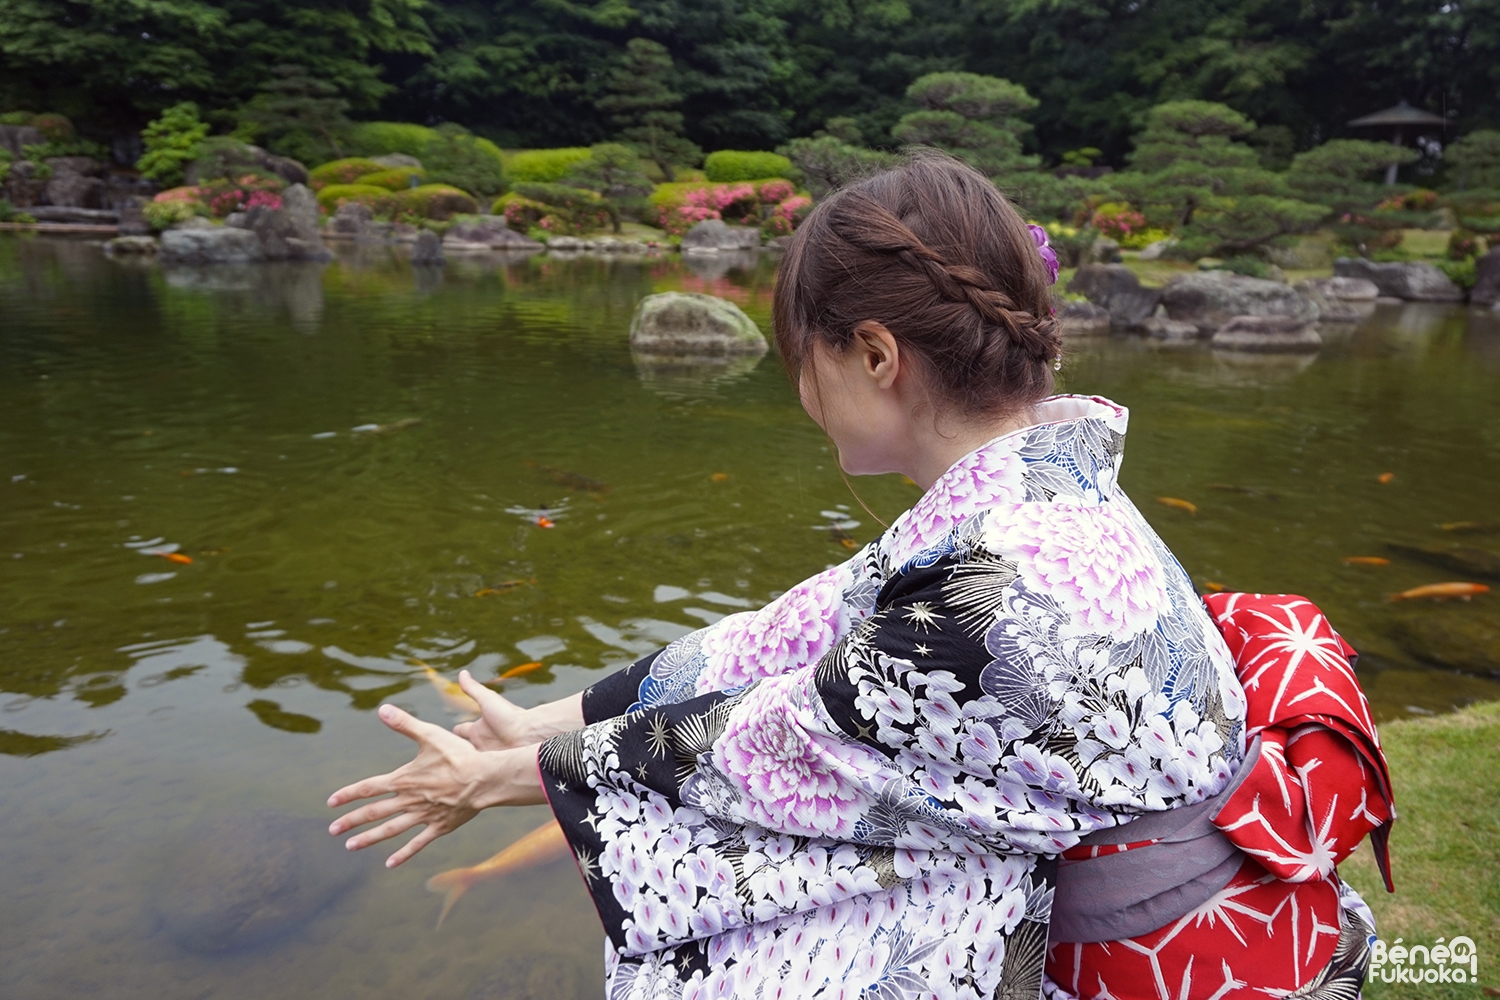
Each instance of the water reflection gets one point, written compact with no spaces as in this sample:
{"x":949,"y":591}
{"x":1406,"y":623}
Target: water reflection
{"x":330,"y":566}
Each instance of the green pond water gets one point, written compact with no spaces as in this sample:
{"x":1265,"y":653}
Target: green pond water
{"x":147,"y":701}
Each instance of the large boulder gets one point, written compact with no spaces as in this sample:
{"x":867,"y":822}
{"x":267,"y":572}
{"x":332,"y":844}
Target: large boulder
{"x":429,"y":250}
{"x":131,"y":245}
{"x":15,"y":138}
{"x":301,"y":208}
{"x":1162,"y":328}
{"x":713,"y":235}
{"x":1339,"y":300}
{"x":491,"y":231}
{"x":282,"y":235}
{"x":215,"y":245}
{"x":239,"y":882}
{"x":1116,"y":288}
{"x":351,"y":219}
{"x":690,"y":325}
{"x":1486,"y":290}
{"x":74,"y":182}
{"x":1267,"y":335}
{"x":1415,"y":281}
{"x":1083,"y":319}
{"x":79,"y":216}
{"x":1210,"y":299}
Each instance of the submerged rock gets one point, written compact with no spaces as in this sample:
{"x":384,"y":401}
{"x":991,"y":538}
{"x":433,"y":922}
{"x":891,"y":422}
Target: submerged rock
{"x":429,"y":250}
{"x":1465,"y":559}
{"x":243,"y":881}
{"x":131,"y":245}
{"x":1458,"y":637}
{"x":1116,"y":288}
{"x":1267,"y":335}
{"x":1334,"y":307}
{"x":1163,"y":328}
{"x":687,"y":324}
{"x":1412,"y":281}
{"x":1210,"y":299}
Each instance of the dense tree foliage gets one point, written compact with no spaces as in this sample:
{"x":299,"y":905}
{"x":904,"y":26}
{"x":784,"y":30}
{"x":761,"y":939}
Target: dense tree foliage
{"x":753,"y":74}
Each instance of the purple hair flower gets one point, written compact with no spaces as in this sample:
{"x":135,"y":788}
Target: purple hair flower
{"x":1049,"y":256}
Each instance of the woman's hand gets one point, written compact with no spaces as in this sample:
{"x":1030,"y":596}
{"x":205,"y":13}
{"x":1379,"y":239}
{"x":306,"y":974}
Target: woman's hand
{"x":447,"y":784}
{"x":501,"y":725}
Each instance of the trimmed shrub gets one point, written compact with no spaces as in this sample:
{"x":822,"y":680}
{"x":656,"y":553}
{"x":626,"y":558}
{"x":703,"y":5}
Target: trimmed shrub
{"x":544,"y":166}
{"x":189,"y":193}
{"x":396,"y":179}
{"x":161,"y":214}
{"x":433,"y":201}
{"x":379,"y":138}
{"x":379,"y":200}
{"x":55,"y":127}
{"x":16,"y":118}
{"x":729,"y":165}
{"x":342,"y":172}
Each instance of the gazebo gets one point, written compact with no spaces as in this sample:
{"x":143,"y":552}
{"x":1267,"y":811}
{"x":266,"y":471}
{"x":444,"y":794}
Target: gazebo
{"x":1401,"y":117}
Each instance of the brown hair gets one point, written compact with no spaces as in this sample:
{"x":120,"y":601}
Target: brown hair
{"x":934,"y":252}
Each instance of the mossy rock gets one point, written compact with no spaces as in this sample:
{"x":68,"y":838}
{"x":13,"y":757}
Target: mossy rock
{"x":689,"y":325}
{"x":345,"y":171}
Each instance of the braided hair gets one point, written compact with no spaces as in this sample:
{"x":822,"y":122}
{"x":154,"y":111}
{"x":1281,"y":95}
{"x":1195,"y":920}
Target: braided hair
{"x":931,"y":250}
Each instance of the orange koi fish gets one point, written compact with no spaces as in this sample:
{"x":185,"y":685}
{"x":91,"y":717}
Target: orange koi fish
{"x":543,"y":521}
{"x":176,"y":557}
{"x":520,"y":671}
{"x":1213,"y":586}
{"x":719,"y":477}
{"x":1366,"y":561}
{"x":1385,"y":477}
{"x":1186,"y":505}
{"x":544,"y":844}
{"x":452,"y":695}
{"x":1442,"y":591}
{"x":502,"y":587}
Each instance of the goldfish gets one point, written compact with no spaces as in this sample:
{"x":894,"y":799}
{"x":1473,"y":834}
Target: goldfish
{"x":1213,"y":586}
{"x":1366,"y":561}
{"x":544,"y":844}
{"x":1186,"y":505}
{"x":842,"y":537}
{"x":572,"y":480}
{"x":501,"y":588}
{"x":1468,"y":527}
{"x":449,"y":691}
{"x":520,"y":671}
{"x":1385,"y":477}
{"x":543,"y":521}
{"x":1442,"y":591}
{"x":719,"y":477}
{"x":176,"y":557}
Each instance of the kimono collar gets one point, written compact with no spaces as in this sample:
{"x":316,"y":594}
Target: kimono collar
{"x":1071,"y":455}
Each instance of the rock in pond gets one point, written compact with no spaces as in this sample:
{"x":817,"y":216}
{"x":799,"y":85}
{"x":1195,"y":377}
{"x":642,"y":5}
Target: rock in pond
{"x":1084,"y":319}
{"x":1267,"y":335}
{"x":214,"y":245}
{"x":1486,"y":290}
{"x":131,"y":245}
{"x":1118,"y":290}
{"x":429,"y":250}
{"x":491,"y":231}
{"x":281,"y":235}
{"x":243,"y":881}
{"x":1209,"y":299}
{"x":1451,"y":636}
{"x":301,"y":208}
{"x":1339,"y":300}
{"x":1162,"y":328}
{"x":713,"y":235}
{"x":1413,"y":281}
{"x":352,"y":219}
{"x":690,"y":325}
{"x":1465,"y":559}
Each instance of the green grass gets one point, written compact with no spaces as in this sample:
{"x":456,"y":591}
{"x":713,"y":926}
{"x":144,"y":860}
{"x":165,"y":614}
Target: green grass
{"x":1445,"y":846}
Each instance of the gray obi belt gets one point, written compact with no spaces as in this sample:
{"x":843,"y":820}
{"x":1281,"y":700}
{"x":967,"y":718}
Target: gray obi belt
{"x":1125,"y":894}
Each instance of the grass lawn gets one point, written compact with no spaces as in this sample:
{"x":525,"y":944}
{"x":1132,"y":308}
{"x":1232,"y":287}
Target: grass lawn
{"x":1445,"y":846}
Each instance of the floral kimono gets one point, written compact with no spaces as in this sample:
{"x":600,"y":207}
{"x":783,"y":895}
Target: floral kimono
{"x":864,"y":789}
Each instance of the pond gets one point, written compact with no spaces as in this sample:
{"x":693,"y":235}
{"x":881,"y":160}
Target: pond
{"x":160,"y":714}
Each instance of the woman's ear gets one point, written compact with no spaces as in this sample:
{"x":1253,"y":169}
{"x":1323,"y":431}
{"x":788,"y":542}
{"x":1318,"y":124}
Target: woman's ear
{"x":879,"y":354}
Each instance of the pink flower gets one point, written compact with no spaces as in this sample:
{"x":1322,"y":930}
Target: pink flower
{"x":777,"y":190}
{"x":792,"y":778}
{"x":1091,"y":560}
{"x":795,"y":629}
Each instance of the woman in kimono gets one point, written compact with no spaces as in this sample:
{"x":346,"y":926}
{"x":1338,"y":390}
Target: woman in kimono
{"x":1010,"y":713}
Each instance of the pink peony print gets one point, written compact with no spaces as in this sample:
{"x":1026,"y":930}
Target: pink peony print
{"x":794,"y":630}
{"x":793,"y":779}
{"x":989,"y":476}
{"x":1091,"y":561}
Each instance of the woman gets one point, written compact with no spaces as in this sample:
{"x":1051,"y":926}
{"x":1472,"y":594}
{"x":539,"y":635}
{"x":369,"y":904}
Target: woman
{"x":867,"y":787}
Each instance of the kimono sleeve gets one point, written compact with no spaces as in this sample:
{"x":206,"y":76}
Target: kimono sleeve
{"x":685,"y":816}
{"x":794,"y":630}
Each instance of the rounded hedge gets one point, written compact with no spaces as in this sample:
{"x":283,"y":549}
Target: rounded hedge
{"x":379,"y":138}
{"x":345,"y":171}
{"x":544,"y":166}
{"x":395,"y":179}
{"x":436,"y":201}
{"x":380,"y":201}
{"x":739,"y":165}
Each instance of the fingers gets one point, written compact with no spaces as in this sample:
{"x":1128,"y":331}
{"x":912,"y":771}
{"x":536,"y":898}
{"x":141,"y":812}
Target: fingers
{"x":481,"y":694}
{"x":381,"y":784}
{"x":406,"y":724}
{"x":415,"y":844}
{"x":384,"y":831}
{"x":368,"y":814}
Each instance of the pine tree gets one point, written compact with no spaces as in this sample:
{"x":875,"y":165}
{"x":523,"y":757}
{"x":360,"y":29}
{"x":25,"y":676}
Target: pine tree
{"x":298,"y":115}
{"x":641,"y":101}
